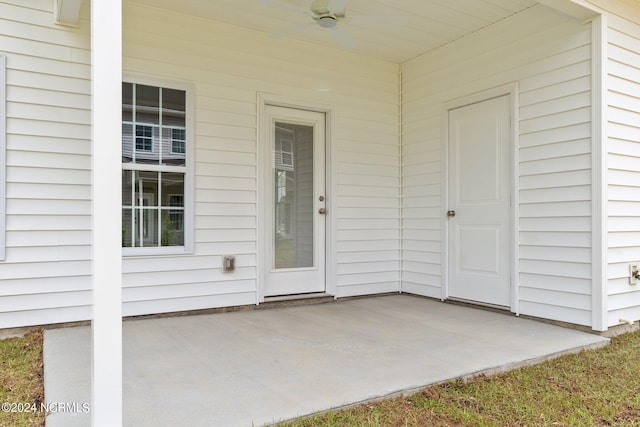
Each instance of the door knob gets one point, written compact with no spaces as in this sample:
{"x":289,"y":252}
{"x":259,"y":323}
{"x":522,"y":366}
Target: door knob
{"x":322,"y":211}
{"x":451,"y":214}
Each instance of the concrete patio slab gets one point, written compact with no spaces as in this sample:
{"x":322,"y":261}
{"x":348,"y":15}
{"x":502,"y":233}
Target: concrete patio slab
{"x":257,"y":367}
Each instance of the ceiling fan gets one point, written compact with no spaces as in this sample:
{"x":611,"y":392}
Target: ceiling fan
{"x":330,"y":15}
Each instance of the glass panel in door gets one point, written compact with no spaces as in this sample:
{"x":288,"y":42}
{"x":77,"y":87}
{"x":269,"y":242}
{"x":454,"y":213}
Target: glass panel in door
{"x":293,"y":195}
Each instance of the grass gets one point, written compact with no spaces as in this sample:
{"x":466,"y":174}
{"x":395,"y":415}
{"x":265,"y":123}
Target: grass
{"x":21,"y":380}
{"x":592,"y":388}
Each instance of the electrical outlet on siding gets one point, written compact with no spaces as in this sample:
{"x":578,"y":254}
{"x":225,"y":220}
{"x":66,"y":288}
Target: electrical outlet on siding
{"x":228,"y":263}
{"x":634,"y":274}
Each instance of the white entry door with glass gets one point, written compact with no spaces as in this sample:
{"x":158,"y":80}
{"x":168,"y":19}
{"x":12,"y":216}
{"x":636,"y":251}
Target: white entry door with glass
{"x":294,"y":202}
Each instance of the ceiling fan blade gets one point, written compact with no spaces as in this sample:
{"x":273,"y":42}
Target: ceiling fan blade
{"x":342,"y":37}
{"x":336,"y":5}
{"x":380,"y":20}
{"x":293,"y":29}
{"x":285,"y":6}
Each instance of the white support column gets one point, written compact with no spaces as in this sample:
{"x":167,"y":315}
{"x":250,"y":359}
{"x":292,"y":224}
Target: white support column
{"x":106,"y":59}
{"x":599,"y":172}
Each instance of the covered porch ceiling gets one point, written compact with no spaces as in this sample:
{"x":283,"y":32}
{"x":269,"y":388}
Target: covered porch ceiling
{"x":390,"y":30}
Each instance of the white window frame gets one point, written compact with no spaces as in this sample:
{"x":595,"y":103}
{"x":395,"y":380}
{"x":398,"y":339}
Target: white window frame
{"x":177,"y":209}
{"x":3,"y":155}
{"x":188,"y":169}
{"x":150,"y":138}
{"x":289,"y":152}
{"x":173,"y":139}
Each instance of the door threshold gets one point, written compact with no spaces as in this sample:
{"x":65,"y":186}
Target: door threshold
{"x":295,"y":297}
{"x":478,"y":304}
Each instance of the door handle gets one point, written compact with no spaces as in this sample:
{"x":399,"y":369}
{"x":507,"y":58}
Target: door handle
{"x":322,"y":211}
{"x":451,"y":214}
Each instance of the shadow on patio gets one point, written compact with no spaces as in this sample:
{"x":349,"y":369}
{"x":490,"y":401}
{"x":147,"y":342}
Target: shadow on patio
{"x":260,"y":366}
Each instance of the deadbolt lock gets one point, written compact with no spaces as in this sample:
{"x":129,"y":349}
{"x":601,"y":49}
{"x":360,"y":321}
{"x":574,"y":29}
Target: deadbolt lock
{"x":321,"y":198}
{"x":451,"y":214}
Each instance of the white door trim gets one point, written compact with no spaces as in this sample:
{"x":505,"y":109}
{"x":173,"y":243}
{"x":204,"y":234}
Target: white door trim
{"x":330,"y":111}
{"x":512,"y":91}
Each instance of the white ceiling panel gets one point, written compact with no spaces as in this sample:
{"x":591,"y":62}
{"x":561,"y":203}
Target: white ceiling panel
{"x":428,"y":23}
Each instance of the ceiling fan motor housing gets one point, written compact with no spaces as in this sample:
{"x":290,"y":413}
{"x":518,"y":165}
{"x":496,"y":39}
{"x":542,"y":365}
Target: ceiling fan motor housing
{"x":326,"y":21}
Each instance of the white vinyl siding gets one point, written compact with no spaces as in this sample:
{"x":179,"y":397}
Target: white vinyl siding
{"x":3,"y":156}
{"x":549,"y":56}
{"x":229,"y":66}
{"x":623,"y":115}
{"x":46,"y":273}
{"x":45,"y":277}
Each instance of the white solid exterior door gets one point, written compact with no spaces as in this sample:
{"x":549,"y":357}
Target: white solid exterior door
{"x":479,"y":202}
{"x":294,"y":205}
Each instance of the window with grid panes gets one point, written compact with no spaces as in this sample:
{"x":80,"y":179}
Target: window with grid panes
{"x":154,"y":166}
